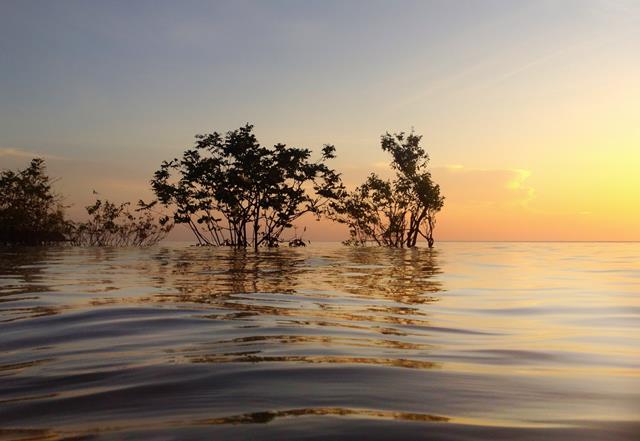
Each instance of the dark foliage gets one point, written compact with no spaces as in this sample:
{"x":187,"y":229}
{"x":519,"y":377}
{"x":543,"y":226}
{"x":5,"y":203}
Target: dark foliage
{"x":31,"y":213}
{"x":113,"y":224}
{"x":232,"y":191}
{"x":394,"y":212}
{"x":297,"y":240}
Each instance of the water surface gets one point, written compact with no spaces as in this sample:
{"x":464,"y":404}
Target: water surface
{"x":469,"y":341}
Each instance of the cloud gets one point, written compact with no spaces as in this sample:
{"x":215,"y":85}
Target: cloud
{"x":519,"y":184}
{"x":468,"y":187}
{"x":472,"y":188}
{"x":530,"y":64}
{"x":7,"y":152}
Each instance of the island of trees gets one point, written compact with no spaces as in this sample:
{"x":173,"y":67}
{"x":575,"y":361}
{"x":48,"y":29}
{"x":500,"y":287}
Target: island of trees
{"x":230,"y":190}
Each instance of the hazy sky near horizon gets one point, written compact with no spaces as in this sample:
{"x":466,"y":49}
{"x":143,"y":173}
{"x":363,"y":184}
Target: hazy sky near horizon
{"x":530,"y":110}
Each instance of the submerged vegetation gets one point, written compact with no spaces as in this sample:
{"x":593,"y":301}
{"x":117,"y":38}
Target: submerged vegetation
{"x":112,"y":224}
{"x":31,"y":213}
{"x":230,"y":190}
{"x":394,"y":212}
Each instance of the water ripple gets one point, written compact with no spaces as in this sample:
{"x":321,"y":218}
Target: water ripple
{"x":470,"y":341}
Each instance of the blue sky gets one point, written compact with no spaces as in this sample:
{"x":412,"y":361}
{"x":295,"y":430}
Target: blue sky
{"x":85,"y":77}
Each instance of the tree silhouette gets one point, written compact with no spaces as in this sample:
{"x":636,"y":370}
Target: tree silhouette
{"x":31,"y":213}
{"x":232,"y":191}
{"x":113,"y":224}
{"x":394,"y":212}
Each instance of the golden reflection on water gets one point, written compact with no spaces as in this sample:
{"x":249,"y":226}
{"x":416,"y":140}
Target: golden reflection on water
{"x":379,"y":292}
{"x":247,"y":418}
{"x":473,"y":332}
{"x":265,"y":417}
{"x":305,"y":339}
{"x":197,"y":275}
{"x":251,"y":358}
{"x":15,"y":367}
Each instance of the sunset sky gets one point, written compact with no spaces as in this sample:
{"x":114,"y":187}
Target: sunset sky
{"x":530,"y":110}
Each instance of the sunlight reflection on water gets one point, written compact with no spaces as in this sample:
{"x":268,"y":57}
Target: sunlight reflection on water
{"x":468,"y":341}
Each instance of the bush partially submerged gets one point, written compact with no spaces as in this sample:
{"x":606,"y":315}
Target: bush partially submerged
{"x":394,"y":213}
{"x":113,"y":224}
{"x":230,"y":190}
{"x":31,"y":213}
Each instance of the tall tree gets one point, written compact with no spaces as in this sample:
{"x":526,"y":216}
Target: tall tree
{"x":230,"y":190}
{"x":31,"y":213}
{"x":394,"y":212}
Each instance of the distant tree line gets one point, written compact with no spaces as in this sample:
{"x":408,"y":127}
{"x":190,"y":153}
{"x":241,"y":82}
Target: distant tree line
{"x":230,"y":190}
{"x":31,"y":213}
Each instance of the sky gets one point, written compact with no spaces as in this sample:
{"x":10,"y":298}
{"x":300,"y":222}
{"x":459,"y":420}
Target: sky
{"x":530,"y":110}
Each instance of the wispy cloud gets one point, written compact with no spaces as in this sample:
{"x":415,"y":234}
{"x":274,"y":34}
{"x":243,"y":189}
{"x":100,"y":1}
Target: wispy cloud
{"x":477,"y":187}
{"x":535,"y":62}
{"x":474,"y":187}
{"x":20,"y":153}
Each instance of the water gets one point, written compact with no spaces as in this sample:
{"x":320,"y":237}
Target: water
{"x":470,"y":341}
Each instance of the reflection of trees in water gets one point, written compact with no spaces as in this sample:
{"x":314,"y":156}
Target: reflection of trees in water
{"x":386,"y":285}
{"x":23,"y":264}
{"x":211,"y":275}
{"x":405,"y":276}
{"x":263,"y":417}
{"x":309,"y":286}
{"x":31,"y":278}
{"x":245,"y":357}
{"x":21,"y":280}
{"x":326,"y":305}
{"x":268,"y":416}
{"x":370,"y":303}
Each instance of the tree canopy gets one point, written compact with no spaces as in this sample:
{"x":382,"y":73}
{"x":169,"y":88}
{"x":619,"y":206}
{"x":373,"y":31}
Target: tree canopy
{"x":31,"y":213}
{"x":394,"y":212}
{"x":230,"y":190}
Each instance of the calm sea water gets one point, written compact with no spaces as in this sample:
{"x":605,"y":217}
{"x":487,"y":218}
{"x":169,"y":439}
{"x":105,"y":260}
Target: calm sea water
{"x":469,"y":341}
